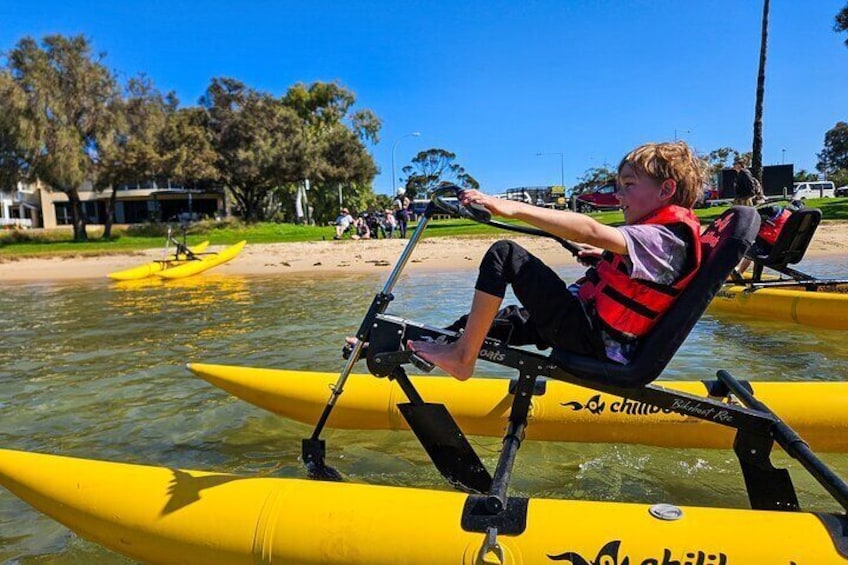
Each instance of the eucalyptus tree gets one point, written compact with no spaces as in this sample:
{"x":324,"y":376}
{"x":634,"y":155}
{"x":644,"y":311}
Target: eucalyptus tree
{"x":593,"y":178}
{"x":833,"y":160}
{"x":757,"y":147}
{"x":337,"y":137}
{"x":188,"y":156}
{"x":65,"y":116}
{"x":134,"y":152}
{"x":14,"y":136}
{"x":258,"y":141}
{"x":432,"y":167}
{"x":721,"y":158}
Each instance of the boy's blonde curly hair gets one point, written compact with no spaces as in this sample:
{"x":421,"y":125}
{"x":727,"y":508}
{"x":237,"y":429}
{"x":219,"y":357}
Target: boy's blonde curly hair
{"x":672,"y":160}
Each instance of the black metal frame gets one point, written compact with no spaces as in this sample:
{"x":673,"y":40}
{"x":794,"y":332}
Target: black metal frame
{"x":181,"y":247}
{"x":757,"y":427}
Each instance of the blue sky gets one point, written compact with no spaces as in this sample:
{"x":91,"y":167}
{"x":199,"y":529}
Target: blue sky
{"x":497,"y":82}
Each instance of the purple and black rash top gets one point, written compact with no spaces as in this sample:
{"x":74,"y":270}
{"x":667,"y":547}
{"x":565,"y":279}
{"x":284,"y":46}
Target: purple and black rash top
{"x":654,"y":253}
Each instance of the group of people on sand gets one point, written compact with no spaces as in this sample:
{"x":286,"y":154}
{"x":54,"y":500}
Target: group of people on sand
{"x":375,"y":224}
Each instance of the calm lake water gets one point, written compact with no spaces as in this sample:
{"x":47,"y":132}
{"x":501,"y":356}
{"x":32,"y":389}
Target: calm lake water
{"x":96,"y":370}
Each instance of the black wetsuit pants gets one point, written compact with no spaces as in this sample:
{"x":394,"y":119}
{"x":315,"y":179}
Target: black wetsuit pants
{"x":549,"y":315}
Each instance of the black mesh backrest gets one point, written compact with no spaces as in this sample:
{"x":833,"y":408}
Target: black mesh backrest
{"x":723,"y":244}
{"x":793,"y":240}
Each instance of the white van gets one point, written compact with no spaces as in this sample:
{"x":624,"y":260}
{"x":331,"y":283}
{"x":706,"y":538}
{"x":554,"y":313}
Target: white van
{"x":813,"y":189}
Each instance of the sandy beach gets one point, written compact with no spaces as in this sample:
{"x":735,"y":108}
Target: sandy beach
{"x":326,"y":257}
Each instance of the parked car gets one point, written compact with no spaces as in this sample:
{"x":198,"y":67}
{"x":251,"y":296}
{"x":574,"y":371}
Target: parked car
{"x":814,"y":189}
{"x":841,"y":191}
{"x":602,"y":198}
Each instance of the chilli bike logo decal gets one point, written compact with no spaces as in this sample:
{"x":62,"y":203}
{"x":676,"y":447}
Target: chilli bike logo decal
{"x":622,"y":406}
{"x":609,"y":555}
{"x":683,"y":406}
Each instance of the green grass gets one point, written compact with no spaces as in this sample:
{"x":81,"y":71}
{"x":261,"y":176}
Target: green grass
{"x":15,"y":244}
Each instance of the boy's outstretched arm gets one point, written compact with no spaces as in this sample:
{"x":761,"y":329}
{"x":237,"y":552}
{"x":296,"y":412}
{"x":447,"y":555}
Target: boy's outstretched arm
{"x":562,"y":223}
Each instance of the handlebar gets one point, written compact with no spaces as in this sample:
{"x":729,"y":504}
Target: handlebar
{"x":482,"y":215}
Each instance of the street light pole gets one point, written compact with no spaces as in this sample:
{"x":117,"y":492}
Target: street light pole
{"x":783,"y":156}
{"x":394,"y":146}
{"x":561,"y":174}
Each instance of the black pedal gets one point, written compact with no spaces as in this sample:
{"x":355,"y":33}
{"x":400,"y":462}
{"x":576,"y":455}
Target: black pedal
{"x":421,"y":364}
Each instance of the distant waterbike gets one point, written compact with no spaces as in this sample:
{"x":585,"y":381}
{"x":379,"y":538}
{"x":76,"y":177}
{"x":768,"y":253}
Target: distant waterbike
{"x":790,"y":296}
{"x":168,"y":515}
{"x":184,"y":262}
{"x":179,"y":257}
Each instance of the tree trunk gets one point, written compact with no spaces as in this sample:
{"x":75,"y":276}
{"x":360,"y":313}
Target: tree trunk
{"x":757,"y":149}
{"x":77,"y":216}
{"x":110,"y":214}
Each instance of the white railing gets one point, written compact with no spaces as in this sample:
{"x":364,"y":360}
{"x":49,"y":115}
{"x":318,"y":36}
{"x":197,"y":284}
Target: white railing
{"x":16,"y":222}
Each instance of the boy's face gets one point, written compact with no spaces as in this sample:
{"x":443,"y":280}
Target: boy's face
{"x":640,"y":195}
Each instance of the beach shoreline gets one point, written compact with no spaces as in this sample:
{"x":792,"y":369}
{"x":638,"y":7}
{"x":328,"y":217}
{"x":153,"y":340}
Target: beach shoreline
{"x":352,"y":257}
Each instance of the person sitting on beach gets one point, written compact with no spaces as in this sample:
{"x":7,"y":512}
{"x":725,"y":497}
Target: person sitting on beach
{"x":374,"y":221}
{"x":343,"y":222}
{"x":640,"y":268}
{"x":361,"y":229}
{"x":389,"y":224}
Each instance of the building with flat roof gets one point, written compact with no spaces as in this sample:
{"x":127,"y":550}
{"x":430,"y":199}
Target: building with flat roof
{"x":36,"y":206}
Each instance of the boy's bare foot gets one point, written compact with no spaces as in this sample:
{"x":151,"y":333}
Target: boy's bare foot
{"x":450,"y":357}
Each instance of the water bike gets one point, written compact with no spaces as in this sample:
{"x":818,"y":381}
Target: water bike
{"x":169,"y":515}
{"x":184,"y":261}
{"x":756,"y":426}
{"x":776,"y":291}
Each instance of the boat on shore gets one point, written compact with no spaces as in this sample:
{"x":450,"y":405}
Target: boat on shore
{"x":164,"y":515}
{"x":562,"y":412}
{"x":150,"y":269}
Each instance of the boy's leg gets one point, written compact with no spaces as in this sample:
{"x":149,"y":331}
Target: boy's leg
{"x":458,"y":358}
{"x":556,"y":317}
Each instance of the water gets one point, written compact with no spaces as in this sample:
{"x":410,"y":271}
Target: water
{"x":95,"y":370}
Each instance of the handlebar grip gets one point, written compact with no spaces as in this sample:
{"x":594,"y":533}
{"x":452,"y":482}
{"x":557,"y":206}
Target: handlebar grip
{"x":476,"y":212}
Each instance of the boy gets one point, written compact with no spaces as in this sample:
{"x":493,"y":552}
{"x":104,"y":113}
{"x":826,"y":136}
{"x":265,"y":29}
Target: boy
{"x":644,"y":265}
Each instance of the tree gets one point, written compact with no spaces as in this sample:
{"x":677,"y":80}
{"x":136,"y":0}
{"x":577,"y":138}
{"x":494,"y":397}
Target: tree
{"x":188,"y":156}
{"x":842,"y":22}
{"x":134,"y":152}
{"x":834,"y":156}
{"x":66,"y":116}
{"x":336,"y":138}
{"x":805,"y":176}
{"x":433,"y":167}
{"x":259,"y":142}
{"x":757,"y":147}
{"x":593,"y":178}
{"x":15,"y":142}
{"x":720,"y":158}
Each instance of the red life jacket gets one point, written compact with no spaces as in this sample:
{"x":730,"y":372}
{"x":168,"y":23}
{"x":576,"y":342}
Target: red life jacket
{"x":770,"y":229}
{"x":628,"y":308}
